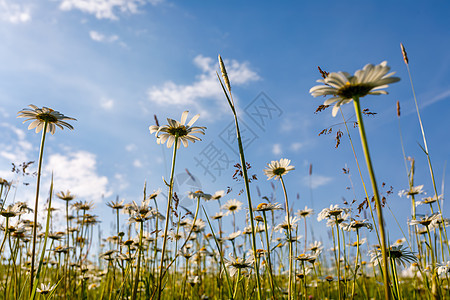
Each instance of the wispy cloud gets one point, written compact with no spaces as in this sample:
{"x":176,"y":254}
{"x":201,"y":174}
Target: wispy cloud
{"x":14,"y":12}
{"x":205,"y":86}
{"x":14,"y":148}
{"x":98,"y":37}
{"x":276,"y":149}
{"x":107,"y":103}
{"x":317,"y":180}
{"x":296,"y":146}
{"x":105,"y":9}
{"x":77,"y":172}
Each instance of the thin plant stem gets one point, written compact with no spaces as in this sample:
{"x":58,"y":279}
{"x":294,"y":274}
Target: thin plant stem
{"x":272,"y":286}
{"x":376,"y":195}
{"x":36,"y":204}
{"x":338,"y":257}
{"x":360,"y":175}
{"x":169,"y":202}
{"x":288,"y":218}
{"x":425,"y":149}
{"x":246,"y":180}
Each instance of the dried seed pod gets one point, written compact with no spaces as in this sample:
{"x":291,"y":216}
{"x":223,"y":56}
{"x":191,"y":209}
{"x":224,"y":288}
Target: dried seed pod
{"x":405,"y":56}
{"x":224,"y":74}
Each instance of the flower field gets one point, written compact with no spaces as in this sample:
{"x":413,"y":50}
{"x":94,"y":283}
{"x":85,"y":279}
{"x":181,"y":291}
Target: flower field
{"x":208,"y":252}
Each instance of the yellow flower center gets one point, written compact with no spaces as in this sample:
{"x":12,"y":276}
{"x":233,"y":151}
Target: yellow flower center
{"x":349,"y":90}
{"x":279,"y":171}
{"x":178,"y":131}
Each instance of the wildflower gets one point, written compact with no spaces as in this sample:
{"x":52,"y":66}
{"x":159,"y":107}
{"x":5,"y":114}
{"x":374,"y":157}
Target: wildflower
{"x":444,"y":268}
{"x":332,"y":211}
{"x":218,"y":216}
{"x":108,"y":255}
{"x":316,"y":246}
{"x":426,"y":221}
{"x":154,"y":194}
{"x":42,"y":116}
{"x":278,"y":168}
{"x":10,"y":211}
{"x":193,"y":280}
{"x":4,"y":182}
{"x":198,"y":226}
{"x":178,"y":130}
{"x":232,"y":206}
{"x":267,"y":207}
{"x":344,"y":87}
{"x":415,"y":190}
{"x":67,"y":196}
{"x":258,"y":229}
{"x":140,"y":213}
{"x":217,"y":195}
{"x":116,"y":204}
{"x":400,"y":241}
{"x":199,"y":194}
{"x":399,"y":254}
{"x":236,"y":264}
{"x":45,"y":289}
{"x":285,"y":224}
{"x":233,"y":235}
{"x":355,"y":243}
{"x":356,"y":224}
{"x":303,"y":257}
{"x":80,"y":205}
{"x":185,"y":253}
{"x":429,"y":200}
{"x":305,"y":212}
{"x":56,"y":235}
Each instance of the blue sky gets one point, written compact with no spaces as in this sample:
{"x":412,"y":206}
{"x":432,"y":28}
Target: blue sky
{"x":113,"y":65}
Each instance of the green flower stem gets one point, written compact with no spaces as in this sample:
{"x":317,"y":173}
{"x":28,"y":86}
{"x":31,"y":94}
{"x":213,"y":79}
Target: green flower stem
{"x":289,"y":237}
{"x":36,"y":203}
{"x":338,"y":259}
{"x":139,"y":252}
{"x":47,"y":230}
{"x":222,"y":262}
{"x":269,"y":262}
{"x":169,"y":203}
{"x":362,"y":133}
{"x":356,"y":263}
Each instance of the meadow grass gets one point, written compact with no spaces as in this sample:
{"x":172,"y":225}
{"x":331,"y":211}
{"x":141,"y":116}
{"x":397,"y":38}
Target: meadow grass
{"x":174,"y":254}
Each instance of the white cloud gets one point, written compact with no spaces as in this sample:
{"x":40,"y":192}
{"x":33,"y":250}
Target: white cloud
{"x":137,"y":163}
{"x":120,"y":182}
{"x":276,"y":149}
{"x":130,"y":147}
{"x":14,"y":13}
{"x":317,"y":180}
{"x":296,"y":146}
{"x":105,"y":9}
{"x":205,"y":86}
{"x":98,"y":37}
{"x":77,"y":172}
{"x":107,"y":103}
{"x":14,"y":147}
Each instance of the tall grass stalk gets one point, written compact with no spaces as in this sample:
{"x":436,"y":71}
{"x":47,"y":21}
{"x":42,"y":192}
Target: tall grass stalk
{"x":229,"y":97}
{"x":425,"y":148}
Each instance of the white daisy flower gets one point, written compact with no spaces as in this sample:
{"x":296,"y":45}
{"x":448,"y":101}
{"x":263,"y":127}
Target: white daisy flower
{"x":344,"y":87}
{"x":178,"y":130}
{"x":278,"y":168}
